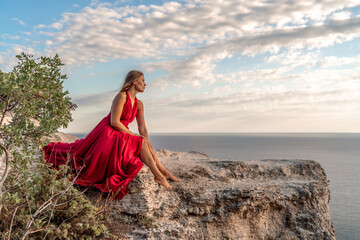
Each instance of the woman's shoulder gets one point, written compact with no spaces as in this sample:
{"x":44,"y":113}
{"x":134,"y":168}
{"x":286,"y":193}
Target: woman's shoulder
{"x":120,"y":96}
{"x":123,"y":93}
{"x":140,"y":103}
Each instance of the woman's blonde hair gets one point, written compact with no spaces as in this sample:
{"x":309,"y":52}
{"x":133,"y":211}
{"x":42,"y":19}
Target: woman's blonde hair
{"x":130,"y":78}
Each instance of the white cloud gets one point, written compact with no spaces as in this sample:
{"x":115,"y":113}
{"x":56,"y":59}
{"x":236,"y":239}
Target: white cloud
{"x":187,"y":40}
{"x":344,"y":15}
{"x":295,"y":58}
{"x":258,"y":99}
{"x":333,"y":61}
{"x":18,"y":21}
{"x":8,"y":36}
{"x":192,"y":70}
{"x":8,"y":57}
{"x":202,"y":61}
{"x":56,"y":26}
{"x":259,"y":75}
{"x":94,"y":100}
{"x":102,"y":33}
{"x":40,"y":26}
{"x":295,"y":38}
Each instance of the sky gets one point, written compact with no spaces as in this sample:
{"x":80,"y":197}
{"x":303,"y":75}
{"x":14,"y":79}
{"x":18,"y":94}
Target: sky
{"x":210,"y":66}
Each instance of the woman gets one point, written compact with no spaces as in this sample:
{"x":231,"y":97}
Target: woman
{"x":108,"y":157}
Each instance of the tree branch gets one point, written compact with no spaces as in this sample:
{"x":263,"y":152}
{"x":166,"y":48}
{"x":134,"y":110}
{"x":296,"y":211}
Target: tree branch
{"x":52,"y":200}
{"x":12,"y":221}
{"x":4,"y":112}
{"x":6,"y":171}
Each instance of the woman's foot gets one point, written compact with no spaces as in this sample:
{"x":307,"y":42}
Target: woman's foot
{"x":169,"y":176}
{"x":163,"y":182}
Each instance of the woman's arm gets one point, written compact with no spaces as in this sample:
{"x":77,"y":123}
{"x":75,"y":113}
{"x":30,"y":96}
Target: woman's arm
{"x":116,"y":110}
{"x":141,"y":120}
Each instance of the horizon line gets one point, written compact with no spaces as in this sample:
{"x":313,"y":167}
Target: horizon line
{"x":218,"y":132}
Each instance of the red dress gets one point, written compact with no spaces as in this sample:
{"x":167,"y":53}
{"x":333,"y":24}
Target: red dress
{"x":108,"y":159}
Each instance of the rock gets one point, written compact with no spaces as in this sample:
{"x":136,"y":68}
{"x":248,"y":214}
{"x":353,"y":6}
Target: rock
{"x":218,"y":199}
{"x":57,"y":137}
{"x":63,"y":137}
{"x":8,"y":119}
{"x":224,"y":199}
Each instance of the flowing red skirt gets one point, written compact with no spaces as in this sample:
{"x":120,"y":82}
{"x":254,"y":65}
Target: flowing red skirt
{"x":105,"y":158}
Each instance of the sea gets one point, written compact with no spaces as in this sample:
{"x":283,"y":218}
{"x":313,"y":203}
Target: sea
{"x":338,"y":154}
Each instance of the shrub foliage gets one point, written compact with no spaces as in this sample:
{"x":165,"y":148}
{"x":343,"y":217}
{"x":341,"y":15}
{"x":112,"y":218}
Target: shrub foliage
{"x":37,"y":201}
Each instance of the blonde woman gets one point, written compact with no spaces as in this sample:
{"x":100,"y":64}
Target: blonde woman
{"x":110,"y":156}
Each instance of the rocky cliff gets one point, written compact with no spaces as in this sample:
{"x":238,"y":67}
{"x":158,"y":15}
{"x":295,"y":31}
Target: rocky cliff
{"x":224,"y":199}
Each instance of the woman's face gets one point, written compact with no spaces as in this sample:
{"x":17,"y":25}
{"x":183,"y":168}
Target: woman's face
{"x":140,"y":84}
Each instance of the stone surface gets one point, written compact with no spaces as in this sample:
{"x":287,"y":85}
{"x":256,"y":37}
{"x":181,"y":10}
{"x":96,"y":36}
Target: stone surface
{"x":57,"y":137}
{"x":224,"y":199}
{"x":63,"y":137}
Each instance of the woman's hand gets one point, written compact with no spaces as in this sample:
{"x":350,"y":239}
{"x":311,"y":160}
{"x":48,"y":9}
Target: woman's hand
{"x":139,"y":136}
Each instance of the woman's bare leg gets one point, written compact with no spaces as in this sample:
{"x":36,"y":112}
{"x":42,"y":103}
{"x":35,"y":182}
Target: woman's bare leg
{"x":147,"y":158}
{"x":162,"y":169}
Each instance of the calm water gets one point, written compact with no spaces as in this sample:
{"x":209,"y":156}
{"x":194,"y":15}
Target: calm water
{"x":339,"y":155}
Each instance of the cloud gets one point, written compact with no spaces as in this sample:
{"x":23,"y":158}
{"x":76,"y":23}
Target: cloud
{"x":318,"y":36}
{"x":8,"y":57}
{"x":56,"y":26}
{"x":256,"y":109}
{"x":104,"y":32}
{"x":121,"y":2}
{"x":192,"y":70}
{"x":291,"y":76}
{"x":8,"y":36}
{"x":295,"y":58}
{"x":18,"y":21}
{"x":275,"y":98}
{"x":94,"y":100}
{"x":323,"y":35}
{"x":40,"y":26}
{"x":266,"y":99}
{"x":313,"y":91}
{"x":343,"y":15}
{"x":333,"y":61}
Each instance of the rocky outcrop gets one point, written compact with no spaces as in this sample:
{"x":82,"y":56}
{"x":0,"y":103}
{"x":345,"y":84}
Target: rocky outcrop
{"x":57,"y":137}
{"x":63,"y":137}
{"x":224,"y":199}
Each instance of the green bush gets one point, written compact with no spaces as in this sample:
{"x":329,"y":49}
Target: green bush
{"x":37,"y":201}
{"x":69,"y":216}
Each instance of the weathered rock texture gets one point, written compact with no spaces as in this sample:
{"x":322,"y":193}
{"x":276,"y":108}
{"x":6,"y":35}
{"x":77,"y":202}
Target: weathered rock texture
{"x":63,"y":137}
{"x":57,"y":137}
{"x":222,"y":199}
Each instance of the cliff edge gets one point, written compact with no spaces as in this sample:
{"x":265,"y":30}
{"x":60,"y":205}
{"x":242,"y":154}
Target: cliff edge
{"x":225,"y":199}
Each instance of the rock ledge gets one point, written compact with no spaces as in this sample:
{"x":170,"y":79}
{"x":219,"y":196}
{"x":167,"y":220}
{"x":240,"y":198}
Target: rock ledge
{"x":224,"y":199}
